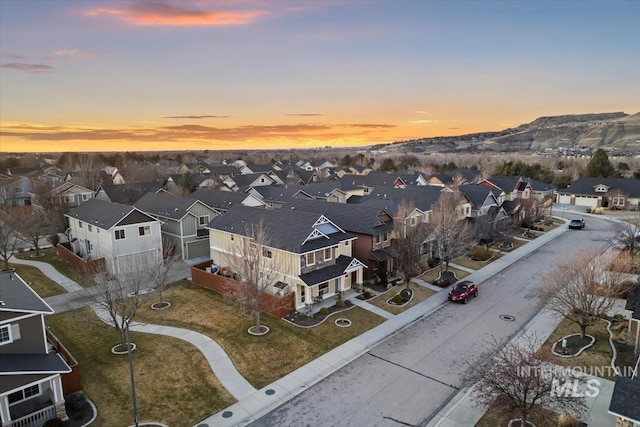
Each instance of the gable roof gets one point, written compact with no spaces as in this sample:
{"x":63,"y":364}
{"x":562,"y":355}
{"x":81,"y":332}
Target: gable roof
{"x":106,"y":215}
{"x":630,"y":187}
{"x":165,"y":205}
{"x":625,"y":398}
{"x":354,"y":218}
{"x":129,"y":193}
{"x":289,"y":230}
{"x":218,"y":199}
{"x":381,"y":179}
{"x":322,"y":275}
{"x":16,"y":295}
{"x":476,"y":193}
{"x":423,"y":197}
{"x":323,"y":189}
{"x":280,"y":193}
{"x":506,"y":183}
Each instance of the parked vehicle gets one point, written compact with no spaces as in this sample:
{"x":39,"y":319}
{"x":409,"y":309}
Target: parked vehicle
{"x":576,"y":224}
{"x":463,"y":291}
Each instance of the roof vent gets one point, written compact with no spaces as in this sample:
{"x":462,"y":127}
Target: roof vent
{"x":1,"y":303}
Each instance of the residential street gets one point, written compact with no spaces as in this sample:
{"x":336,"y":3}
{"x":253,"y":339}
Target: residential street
{"x":410,"y":376}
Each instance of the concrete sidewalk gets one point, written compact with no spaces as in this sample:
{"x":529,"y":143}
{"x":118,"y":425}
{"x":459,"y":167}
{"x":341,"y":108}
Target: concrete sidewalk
{"x":49,"y":271}
{"x":279,"y":392}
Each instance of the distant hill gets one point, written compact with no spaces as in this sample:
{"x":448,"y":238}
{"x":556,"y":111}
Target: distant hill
{"x":613,"y":131}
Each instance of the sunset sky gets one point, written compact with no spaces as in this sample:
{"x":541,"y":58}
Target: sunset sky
{"x":194,"y":75}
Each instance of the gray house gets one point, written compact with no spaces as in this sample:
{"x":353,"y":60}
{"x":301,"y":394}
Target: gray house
{"x":183,"y":221}
{"x":31,"y":390}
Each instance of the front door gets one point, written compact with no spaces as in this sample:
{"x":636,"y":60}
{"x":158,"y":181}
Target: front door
{"x":336,"y":285}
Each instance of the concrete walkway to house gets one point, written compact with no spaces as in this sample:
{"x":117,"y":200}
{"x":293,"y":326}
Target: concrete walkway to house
{"x":372,"y":308}
{"x":49,"y":271}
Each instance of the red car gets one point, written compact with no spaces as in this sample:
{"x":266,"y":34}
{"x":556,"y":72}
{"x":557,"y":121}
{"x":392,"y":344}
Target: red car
{"x":463,"y":291}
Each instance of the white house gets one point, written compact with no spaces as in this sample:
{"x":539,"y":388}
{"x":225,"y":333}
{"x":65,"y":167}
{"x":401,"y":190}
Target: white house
{"x":123,"y":235}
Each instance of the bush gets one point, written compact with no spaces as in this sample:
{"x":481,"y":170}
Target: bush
{"x":397,"y":299}
{"x":340,"y":303}
{"x":366,"y":294}
{"x":480,"y":254}
{"x":54,"y":422}
{"x":323,"y":311}
{"x":620,"y":326}
{"x":568,"y":420}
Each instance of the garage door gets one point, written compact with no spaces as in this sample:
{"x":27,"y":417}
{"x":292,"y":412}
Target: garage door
{"x":198,"y":249}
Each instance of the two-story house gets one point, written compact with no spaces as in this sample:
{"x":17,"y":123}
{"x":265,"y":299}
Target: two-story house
{"x":183,"y":221}
{"x":508,"y":188}
{"x":16,"y":191}
{"x":614,"y":193}
{"x":70,"y":195}
{"x":123,"y":235}
{"x":31,"y":390}
{"x":372,"y":226}
{"x":312,"y":255}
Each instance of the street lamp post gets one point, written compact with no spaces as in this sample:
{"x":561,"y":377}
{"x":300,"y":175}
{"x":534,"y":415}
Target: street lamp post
{"x":133,"y":383}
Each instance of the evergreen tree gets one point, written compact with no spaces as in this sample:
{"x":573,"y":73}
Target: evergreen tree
{"x":600,"y":166}
{"x":387,"y":165}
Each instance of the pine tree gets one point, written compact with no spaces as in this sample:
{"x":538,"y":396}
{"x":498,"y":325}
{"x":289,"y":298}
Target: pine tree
{"x":600,"y":166}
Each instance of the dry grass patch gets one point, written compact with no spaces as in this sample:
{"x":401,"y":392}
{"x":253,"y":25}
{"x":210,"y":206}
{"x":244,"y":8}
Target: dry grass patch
{"x":264,"y":359}
{"x":420,"y":293}
{"x":66,"y":269}
{"x":40,"y":283}
{"x":174,"y":382}
{"x":495,"y":417}
{"x":466,"y":261}
{"x":597,"y":356}
{"x":433,"y":274}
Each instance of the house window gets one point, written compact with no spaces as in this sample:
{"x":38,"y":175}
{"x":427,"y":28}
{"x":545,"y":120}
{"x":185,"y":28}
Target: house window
{"x":119,"y":234}
{"x":86,"y":197}
{"x":311,"y":258}
{"x":24,"y":394}
{"x":601,"y":189}
{"x":378,"y":237}
{"x":266,"y":253}
{"x":69,"y":198}
{"x":145,"y":230}
{"x":385,"y":237}
{"x":327,"y":254}
{"x":618,"y":201}
{"x":323,"y":288}
{"x":79,"y":224}
{"x":5,"y":335}
{"x":203,"y":220}
{"x":414,"y":220}
{"x":89,"y":228}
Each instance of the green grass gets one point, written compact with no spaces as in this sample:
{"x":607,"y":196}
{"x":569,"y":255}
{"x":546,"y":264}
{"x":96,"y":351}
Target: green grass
{"x":51,"y":257}
{"x":260,"y":359}
{"x":40,"y":283}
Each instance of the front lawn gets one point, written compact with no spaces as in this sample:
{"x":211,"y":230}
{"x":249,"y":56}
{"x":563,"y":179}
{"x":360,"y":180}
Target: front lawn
{"x":174,"y":382}
{"x":51,"y":257}
{"x":420,"y":293}
{"x":466,"y":261}
{"x":260,"y":359}
{"x":40,"y":283}
{"x":431,"y":275}
{"x":598,"y":356}
{"x":495,"y":417}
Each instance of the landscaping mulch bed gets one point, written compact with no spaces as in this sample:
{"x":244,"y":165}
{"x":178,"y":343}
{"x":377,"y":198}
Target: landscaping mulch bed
{"x":79,"y":411}
{"x":301,"y":319}
{"x":625,"y":358}
{"x":574,"y":345}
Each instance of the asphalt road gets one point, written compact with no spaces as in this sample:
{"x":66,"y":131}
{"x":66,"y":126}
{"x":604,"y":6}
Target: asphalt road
{"x":409,"y":377}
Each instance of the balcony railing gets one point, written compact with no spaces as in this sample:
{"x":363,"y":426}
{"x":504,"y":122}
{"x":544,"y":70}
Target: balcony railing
{"x":35,"y":419}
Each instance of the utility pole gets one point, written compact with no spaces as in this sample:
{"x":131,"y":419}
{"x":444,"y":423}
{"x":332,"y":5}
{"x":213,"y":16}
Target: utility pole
{"x":133,"y":383}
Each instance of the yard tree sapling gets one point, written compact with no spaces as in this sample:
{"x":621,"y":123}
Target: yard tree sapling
{"x":448,"y":232}
{"x":407,"y":244}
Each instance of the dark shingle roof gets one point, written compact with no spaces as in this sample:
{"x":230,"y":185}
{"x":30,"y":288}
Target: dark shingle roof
{"x":422,"y":197}
{"x":476,"y":193}
{"x":129,"y":193}
{"x":32,"y":363}
{"x":280,"y":193}
{"x":539,"y":185}
{"x":16,"y":295}
{"x":103,"y":214}
{"x":165,"y":205}
{"x":249,"y":178}
{"x":505,"y":183}
{"x":322,"y":189}
{"x":286,"y":229}
{"x":218,"y":199}
{"x":626,"y":397}
{"x":328,"y":273}
{"x":630,"y":187}
{"x":380,"y":179}
{"x":355,"y":218}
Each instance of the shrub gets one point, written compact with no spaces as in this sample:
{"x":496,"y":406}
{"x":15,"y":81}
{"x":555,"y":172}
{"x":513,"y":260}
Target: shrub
{"x":548,"y":221}
{"x":481,"y":254}
{"x":366,"y":294}
{"x":568,"y":420}
{"x":340,"y":303}
{"x":54,"y":422}
{"x":323,"y":311}
{"x":620,"y":326}
{"x":397,"y":299}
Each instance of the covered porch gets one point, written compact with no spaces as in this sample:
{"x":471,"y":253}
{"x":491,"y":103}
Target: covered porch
{"x":31,"y":404}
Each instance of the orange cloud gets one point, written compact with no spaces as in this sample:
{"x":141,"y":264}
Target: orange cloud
{"x":158,"y":13}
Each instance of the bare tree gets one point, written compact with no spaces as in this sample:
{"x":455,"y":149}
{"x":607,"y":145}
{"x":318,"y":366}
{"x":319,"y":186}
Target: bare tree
{"x":9,"y":236}
{"x":253,"y":260}
{"x":32,"y":226}
{"x":42,"y":200}
{"x":121,"y":294}
{"x":627,"y":235}
{"x":449,"y":232}
{"x":518,"y":381}
{"x":162,"y":267}
{"x":583,"y":288}
{"x":407,"y":243}
{"x":528,"y":212}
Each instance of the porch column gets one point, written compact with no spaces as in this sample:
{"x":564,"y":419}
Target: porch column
{"x":4,"y":409}
{"x":56,"y":387}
